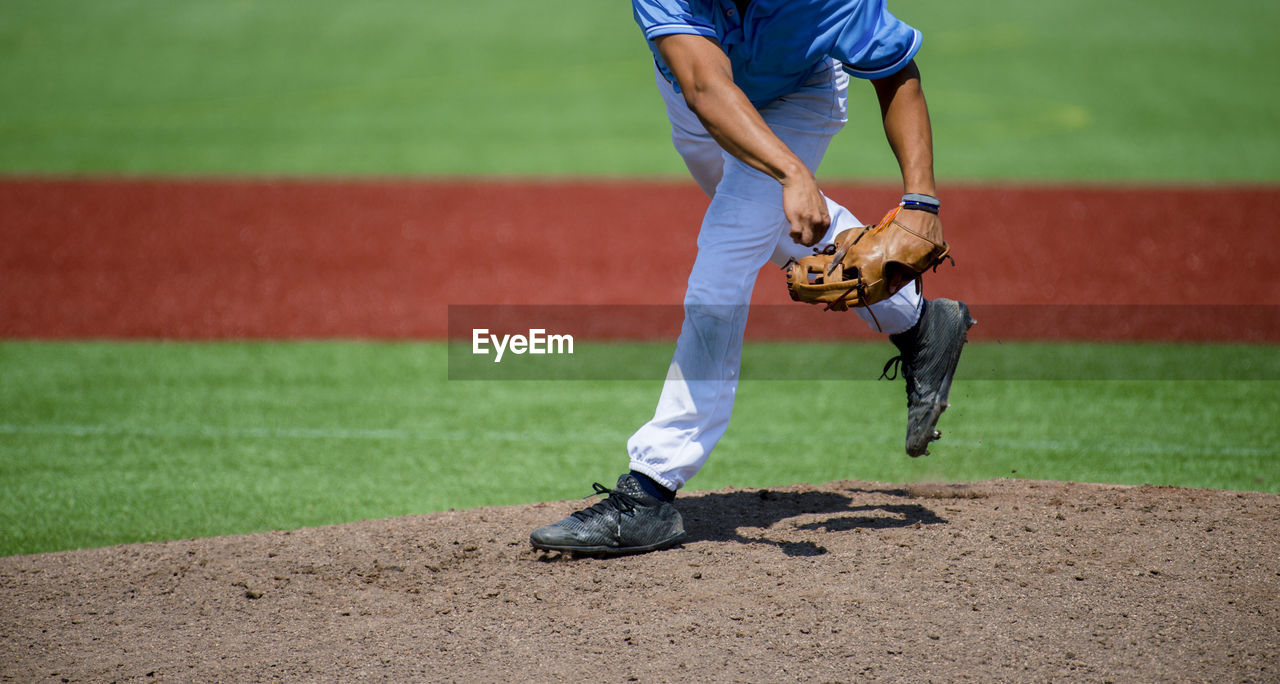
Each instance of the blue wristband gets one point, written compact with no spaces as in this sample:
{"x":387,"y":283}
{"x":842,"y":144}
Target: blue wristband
{"x":921,"y":202}
{"x":931,"y":208}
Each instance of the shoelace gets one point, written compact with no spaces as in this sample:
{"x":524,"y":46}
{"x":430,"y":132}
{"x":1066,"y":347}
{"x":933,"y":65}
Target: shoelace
{"x":894,"y":364}
{"x":618,"y":501}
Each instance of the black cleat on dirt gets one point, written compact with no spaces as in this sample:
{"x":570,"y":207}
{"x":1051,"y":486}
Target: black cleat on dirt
{"x":930,"y":352}
{"x":628,"y":521}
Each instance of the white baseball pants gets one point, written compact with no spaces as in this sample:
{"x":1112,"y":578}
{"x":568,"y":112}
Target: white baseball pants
{"x":743,"y":229}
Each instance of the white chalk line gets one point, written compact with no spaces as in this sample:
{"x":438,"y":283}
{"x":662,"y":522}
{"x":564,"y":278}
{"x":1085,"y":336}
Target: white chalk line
{"x":393,"y":434}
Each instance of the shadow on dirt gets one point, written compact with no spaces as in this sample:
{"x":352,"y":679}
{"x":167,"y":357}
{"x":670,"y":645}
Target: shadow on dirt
{"x":723,"y":517}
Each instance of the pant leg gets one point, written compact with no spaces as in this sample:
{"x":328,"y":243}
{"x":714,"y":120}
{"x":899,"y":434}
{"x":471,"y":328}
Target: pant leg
{"x":697,"y":398}
{"x":742,"y":230}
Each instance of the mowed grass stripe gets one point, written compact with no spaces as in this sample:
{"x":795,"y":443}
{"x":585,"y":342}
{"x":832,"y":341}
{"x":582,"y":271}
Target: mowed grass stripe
{"x":1088,"y":90}
{"x":286,"y":433}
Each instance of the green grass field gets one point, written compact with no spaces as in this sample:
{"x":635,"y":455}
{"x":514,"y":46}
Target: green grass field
{"x":104,"y":443}
{"x":1088,"y":90}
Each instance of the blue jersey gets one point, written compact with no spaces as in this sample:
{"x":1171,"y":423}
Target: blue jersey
{"x":776,"y":45}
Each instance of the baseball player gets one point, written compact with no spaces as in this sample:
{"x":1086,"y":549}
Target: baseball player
{"x":755,"y":90}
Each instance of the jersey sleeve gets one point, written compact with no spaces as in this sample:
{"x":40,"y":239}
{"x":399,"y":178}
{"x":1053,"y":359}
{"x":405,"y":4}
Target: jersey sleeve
{"x":666,"y":17}
{"x":890,"y":46}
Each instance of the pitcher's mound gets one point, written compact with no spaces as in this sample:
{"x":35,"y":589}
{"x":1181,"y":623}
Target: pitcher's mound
{"x":1006,"y":579}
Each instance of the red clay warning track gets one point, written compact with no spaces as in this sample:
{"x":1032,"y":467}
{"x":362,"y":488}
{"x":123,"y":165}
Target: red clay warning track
{"x":216,"y":259}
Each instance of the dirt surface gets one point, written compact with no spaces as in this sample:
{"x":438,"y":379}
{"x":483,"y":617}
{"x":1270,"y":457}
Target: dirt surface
{"x":850,"y":581}
{"x":219,"y":259}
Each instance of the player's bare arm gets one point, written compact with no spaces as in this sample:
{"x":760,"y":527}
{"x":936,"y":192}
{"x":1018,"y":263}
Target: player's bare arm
{"x":706,"y":79}
{"x":906,"y":125}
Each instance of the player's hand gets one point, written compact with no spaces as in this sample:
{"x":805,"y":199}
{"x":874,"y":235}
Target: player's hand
{"x":923,"y":223}
{"x":805,"y":209}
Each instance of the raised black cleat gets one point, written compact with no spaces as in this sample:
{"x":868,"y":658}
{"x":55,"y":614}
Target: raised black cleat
{"x":929,"y":354}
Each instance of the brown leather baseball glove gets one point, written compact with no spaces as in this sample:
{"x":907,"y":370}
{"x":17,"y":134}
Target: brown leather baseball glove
{"x":869,"y":264}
